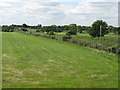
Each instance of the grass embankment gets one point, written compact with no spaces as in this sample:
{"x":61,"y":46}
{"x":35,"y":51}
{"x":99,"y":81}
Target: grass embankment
{"x":36,"y":62}
{"x":107,"y":43}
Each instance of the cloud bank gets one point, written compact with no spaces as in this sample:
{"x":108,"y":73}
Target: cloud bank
{"x":59,"y":12}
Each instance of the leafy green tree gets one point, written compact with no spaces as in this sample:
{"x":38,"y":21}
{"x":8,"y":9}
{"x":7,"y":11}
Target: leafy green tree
{"x":24,"y":25}
{"x":11,"y":28}
{"x":39,"y":26}
{"x":73,"y":29}
{"x":79,"y":28}
{"x":65,"y":27}
{"x":5,"y":28}
{"x":54,"y":28}
{"x":95,"y":30}
{"x":59,"y":29}
{"x":110,"y":28}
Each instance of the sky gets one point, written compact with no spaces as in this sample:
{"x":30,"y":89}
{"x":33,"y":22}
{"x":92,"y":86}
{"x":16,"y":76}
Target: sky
{"x":58,"y":12}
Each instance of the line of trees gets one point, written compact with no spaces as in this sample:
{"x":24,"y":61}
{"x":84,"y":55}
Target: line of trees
{"x":71,"y":29}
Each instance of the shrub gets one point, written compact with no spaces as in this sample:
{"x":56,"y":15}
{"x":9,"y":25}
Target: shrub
{"x":38,"y":30}
{"x":51,"y":33}
{"x":66,"y":38}
{"x":53,"y":37}
{"x":68,"y":33}
{"x":72,"y":32}
{"x":5,"y":28}
{"x":24,"y":29}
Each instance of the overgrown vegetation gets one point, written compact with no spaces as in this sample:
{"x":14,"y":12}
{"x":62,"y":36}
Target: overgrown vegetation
{"x":66,"y":38}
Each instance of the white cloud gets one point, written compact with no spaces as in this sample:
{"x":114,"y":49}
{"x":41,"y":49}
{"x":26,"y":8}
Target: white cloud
{"x":51,"y":12}
{"x":6,"y":5}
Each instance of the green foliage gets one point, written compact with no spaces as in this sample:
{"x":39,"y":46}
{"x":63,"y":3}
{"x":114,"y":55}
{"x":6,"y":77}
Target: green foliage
{"x":79,"y":28}
{"x":39,"y":26}
{"x":50,"y":33}
{"x":108,"y":43}
{"x":11,"y":28}
{"x":115,"y":30}
{"x":72,"y":32}
{"x":5,"y":28}
{"x":24,"y":29}
{"x":66,"y":38}
{"x":68,"y":33}
{"x":73,"y":28}
{"x":24,"y":25}
{"x":95,"y":30}
{"x":38,"y":30}
{"x":118,"y":30}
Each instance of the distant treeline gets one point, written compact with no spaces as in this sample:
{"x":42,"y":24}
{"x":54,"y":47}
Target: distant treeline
{"x":74,"y":28}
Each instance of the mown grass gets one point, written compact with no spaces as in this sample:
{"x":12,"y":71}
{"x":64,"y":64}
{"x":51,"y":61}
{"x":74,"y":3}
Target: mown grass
{"x":35,"y":62}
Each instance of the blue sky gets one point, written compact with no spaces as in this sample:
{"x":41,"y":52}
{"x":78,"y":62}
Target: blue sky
{"x":59,"y":12}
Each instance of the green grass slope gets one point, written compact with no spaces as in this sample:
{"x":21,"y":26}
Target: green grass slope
{"x":35,"y":62}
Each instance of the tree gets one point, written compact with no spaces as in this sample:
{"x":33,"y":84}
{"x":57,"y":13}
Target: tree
{"x":54,"y":28}
{"x":59,"y":29}
{"x":25,"y":25}
{"x":39,"y":26}
{"x":115,"y":30}
{"x":110,"y":28}
{"x":5,"y":28}
{"x":118,"y":30}
{"x":95,"y":30}
{"x":73,"y":29}
{"x":65,"y":27}
{"x":11,"y":28}
{"x":79,"y":28}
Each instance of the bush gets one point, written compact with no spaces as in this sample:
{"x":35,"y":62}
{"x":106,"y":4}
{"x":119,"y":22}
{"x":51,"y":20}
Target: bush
{"x":38,"y":30}
{"x":24,"y":29}
{"x":11,"y":30}
{"x":68,"y":33}
{"x":50,"y":33}
{"x":72,"y":32}
{"x":66,"y":38}
{"x":53,"y":37}
{"x":5,"y":28}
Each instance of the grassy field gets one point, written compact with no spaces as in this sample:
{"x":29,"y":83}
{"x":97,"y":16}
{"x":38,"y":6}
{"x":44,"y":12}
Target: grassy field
{"x":36,"y":62}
